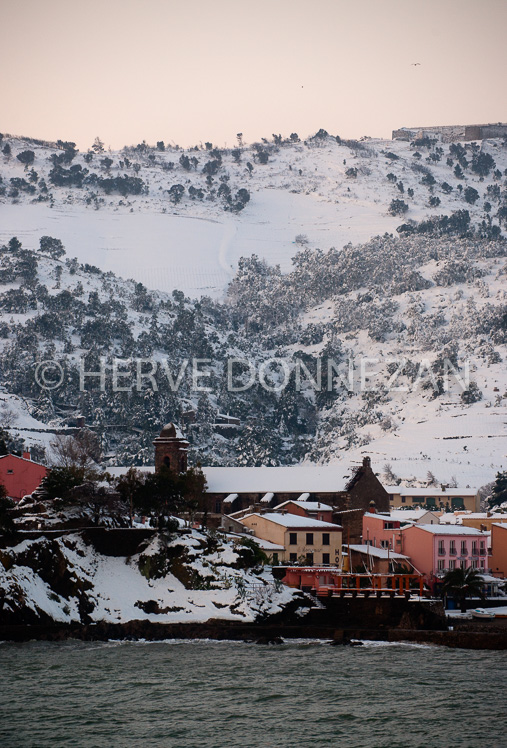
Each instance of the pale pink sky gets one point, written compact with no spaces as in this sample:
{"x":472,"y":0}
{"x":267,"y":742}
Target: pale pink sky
{"x":198,"y":70}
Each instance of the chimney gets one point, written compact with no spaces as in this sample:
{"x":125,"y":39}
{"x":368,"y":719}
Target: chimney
{"x":367,"y":462}
{"x":373,"y":507}
{"x":27,"y":455}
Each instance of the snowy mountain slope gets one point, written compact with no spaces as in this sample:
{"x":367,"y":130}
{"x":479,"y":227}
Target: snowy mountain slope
{"x":406,"y":427}
{"x":419,"y":297}
{"x":193,"y":245}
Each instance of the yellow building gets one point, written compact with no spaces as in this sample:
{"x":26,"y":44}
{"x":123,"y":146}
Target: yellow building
{"x":482,"y":520}
{"x":318,"y":543}
{"x":448,"y":499}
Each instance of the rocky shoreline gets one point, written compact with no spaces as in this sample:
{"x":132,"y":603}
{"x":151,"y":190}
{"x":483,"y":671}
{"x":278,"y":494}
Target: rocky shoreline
{"x":262,"y":633}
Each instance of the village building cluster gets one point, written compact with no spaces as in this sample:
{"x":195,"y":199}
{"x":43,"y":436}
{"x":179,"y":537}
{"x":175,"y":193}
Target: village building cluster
{"x":330,"y":519}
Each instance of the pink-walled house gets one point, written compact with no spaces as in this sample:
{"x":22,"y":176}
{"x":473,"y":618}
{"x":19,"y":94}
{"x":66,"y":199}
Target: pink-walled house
{"x":436,"y":549}
{"x":380,"y":531}
{"x":20,"y":475}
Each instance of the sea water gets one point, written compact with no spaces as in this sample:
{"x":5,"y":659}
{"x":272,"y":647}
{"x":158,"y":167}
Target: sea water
{"x":191,"y":694}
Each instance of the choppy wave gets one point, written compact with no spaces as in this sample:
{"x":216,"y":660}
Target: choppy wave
{"x":218,"y":694}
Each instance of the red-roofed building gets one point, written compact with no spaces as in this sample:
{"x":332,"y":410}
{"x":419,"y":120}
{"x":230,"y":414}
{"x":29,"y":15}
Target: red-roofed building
{"x":20,"y":475}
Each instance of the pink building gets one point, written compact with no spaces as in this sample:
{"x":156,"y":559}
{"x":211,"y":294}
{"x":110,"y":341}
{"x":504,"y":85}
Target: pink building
{"x":384,"y":530}
{"x":20,"y":475}
{"x":381,"y":531}
{"x":436,"y":549}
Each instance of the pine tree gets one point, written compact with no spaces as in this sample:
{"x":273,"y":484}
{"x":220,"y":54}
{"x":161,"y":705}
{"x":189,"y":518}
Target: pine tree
{"x":499,"y":494}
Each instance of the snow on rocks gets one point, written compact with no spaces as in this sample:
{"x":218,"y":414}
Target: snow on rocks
{"x":189,"y":577}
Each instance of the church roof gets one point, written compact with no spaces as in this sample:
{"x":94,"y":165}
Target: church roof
{"x":286,"y":479}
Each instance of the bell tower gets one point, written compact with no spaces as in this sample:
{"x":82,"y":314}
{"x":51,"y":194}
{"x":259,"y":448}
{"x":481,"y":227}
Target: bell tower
{"x":171,"y":450}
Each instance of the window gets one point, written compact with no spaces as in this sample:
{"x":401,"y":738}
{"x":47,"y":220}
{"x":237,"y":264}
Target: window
{"x":482,"y":563}
{"x":403,"y":499}
{"x":325,"y":558}
{"x":325,"y":538}
{"x":474,"y":563}
{"x":293,"y":538}
{"x":384,"y":544}
{"x":482,"y":549}
{"x":457,"y":503}
{"x":309,"y":559}
{"x":463,"y":564}
{"x":452,"y":564}
{"x":452,"y":548}
{"x":218,"y":507}
{"x":309,"y":538}
{"x":475,"y":550}
{"x":441,"y":564}
{"x":275,"y":559}
{"x":464,"y":548}
{"x":293,"y":557}
{"x":441,"y":548}
{"x":10,"y":472}
{"x":388,"y":525}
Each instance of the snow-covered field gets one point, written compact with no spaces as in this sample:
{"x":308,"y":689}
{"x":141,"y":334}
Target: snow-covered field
{"x":195,"y":246}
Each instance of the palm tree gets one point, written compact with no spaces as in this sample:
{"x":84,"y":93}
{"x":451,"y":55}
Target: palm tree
{"x":463,"y":583}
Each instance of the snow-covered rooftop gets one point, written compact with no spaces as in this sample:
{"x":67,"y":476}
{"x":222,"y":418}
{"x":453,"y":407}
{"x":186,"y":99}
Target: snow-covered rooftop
{"x":266,"y":545}
{"x":229,"y":499}
{"x":411,"y":515}
{"x":456,"y":518}
{"x":23,"y":459}
{"x":450,"y":530}
{"x":294,"y":521}
{"x":309,"y":506}
{"x":450,"y":518}
{"x":118,"y":470}
{"x":287,"y":479}
{"x":375,"y":552}
{"x":267,"y":497}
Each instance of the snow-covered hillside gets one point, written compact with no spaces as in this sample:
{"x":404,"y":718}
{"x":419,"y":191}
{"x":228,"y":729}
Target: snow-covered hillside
{"x":434,"y":291}
{"x":332,"y":193}
{"x":187,"y":578}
